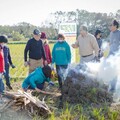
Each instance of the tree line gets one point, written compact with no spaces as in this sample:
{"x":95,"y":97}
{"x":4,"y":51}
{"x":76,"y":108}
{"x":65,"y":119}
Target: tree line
{"x":92,"y":20}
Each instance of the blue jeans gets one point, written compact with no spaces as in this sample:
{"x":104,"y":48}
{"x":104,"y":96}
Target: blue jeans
{"x":60,"y":71}
{"x":1,"y":84}
{"x":6,"y":75}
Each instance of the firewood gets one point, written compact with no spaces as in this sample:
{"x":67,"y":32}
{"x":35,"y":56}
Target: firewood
{"x":24,"y":100}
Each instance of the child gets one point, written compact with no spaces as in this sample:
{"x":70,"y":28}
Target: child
{"x":46,"y":48}
{"x":61,"y":56}
{"x":1,"y":70}
{"x":36,"y":79}
{"x":7,"y":60}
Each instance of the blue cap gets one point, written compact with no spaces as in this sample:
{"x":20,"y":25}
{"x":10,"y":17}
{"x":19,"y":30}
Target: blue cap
{"x":36,"y":32}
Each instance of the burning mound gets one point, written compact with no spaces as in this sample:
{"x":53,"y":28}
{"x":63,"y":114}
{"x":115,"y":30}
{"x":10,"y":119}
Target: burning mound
{"x":80,"y":87}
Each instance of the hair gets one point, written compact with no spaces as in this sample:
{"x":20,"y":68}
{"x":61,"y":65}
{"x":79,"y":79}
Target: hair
{"x":84,"y":28}
{"x":47,"y":71}
{"x":97,"y":32}
{"x":115,"y":23}
{"x":61,"y":36}
{"x":3,"y":39}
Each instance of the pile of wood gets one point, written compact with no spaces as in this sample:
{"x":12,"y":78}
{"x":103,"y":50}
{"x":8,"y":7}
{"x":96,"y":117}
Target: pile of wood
{"x":23,"y":100}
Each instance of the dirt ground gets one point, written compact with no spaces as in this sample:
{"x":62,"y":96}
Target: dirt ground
{"x":10,"y":113}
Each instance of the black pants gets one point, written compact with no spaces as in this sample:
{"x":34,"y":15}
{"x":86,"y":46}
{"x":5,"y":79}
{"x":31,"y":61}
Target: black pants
{"x":60,"y":72}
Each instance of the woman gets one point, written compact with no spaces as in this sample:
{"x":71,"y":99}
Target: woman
{"x":61,"y":56}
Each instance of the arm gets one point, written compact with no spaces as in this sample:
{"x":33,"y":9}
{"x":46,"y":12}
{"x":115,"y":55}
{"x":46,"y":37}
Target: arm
{"x":9,"y":57}
{"x":26,"y":50}
{"x":95,"y":46}
{"x":32,"y":80}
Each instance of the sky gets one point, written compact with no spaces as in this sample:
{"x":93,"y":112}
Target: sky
{"x":37,"y":11}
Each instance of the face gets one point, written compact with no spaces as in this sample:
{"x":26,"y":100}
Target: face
{"x":99,"y":35}
{"x":2,"y":44}
{"x":60,"y":38}
{"x":112,"y":27}
{"x":82,"y":32}
{"x":37,"y":37}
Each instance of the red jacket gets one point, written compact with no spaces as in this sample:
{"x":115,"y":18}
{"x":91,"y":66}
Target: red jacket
{"x":1,"y":61}
{"x":47,"y":53}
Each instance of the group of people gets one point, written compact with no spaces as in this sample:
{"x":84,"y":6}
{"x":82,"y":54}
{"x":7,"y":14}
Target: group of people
{"x":41,"y":62}
{"x":40,"y":59}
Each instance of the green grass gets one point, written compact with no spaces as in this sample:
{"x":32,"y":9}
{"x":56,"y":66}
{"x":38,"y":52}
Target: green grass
{"x":17,"y":55}
{"x":69,"y":112}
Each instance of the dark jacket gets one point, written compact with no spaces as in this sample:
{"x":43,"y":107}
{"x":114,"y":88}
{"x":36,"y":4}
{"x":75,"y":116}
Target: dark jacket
{"x":35,"y":49}
{"x":7,"y":57}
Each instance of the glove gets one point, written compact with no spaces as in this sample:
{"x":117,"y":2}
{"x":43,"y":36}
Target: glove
{"x":51,"y":83}
{"x":52,"y":66}
{"x":26,"y":64}
{"x":13,"y":66}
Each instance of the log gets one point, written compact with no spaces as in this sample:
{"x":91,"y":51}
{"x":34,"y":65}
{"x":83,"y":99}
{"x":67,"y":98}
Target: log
{"x":28,"y":102}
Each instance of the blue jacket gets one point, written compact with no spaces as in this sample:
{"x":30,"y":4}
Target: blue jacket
{"x":7,"y":57}
{"x":36,"y":77}
{"x":61,"y":53}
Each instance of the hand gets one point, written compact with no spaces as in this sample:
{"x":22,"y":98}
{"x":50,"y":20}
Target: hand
{"x":4,"y":73}
{"x":13,"y":66}
{"x":46,"y":62}
{"x":38,"y":90}
{"x":51,"y":83}
{"x":26,"y":64}
{"x":74,"y":46}
{"x":96,"y":59}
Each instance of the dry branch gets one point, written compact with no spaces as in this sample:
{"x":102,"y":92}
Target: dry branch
{"x":28,"y":102}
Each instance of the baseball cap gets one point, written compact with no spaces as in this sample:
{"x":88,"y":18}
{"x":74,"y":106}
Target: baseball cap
{"x":36,"y":32}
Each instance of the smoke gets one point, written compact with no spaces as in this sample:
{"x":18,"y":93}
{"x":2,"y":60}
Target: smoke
{"x":106,"y":71}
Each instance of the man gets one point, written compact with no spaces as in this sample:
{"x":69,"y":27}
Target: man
{"x":114,"y":37}
{"x":88,"y":46}
{"x":114,"y":47}
{"x":36,"y":52}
